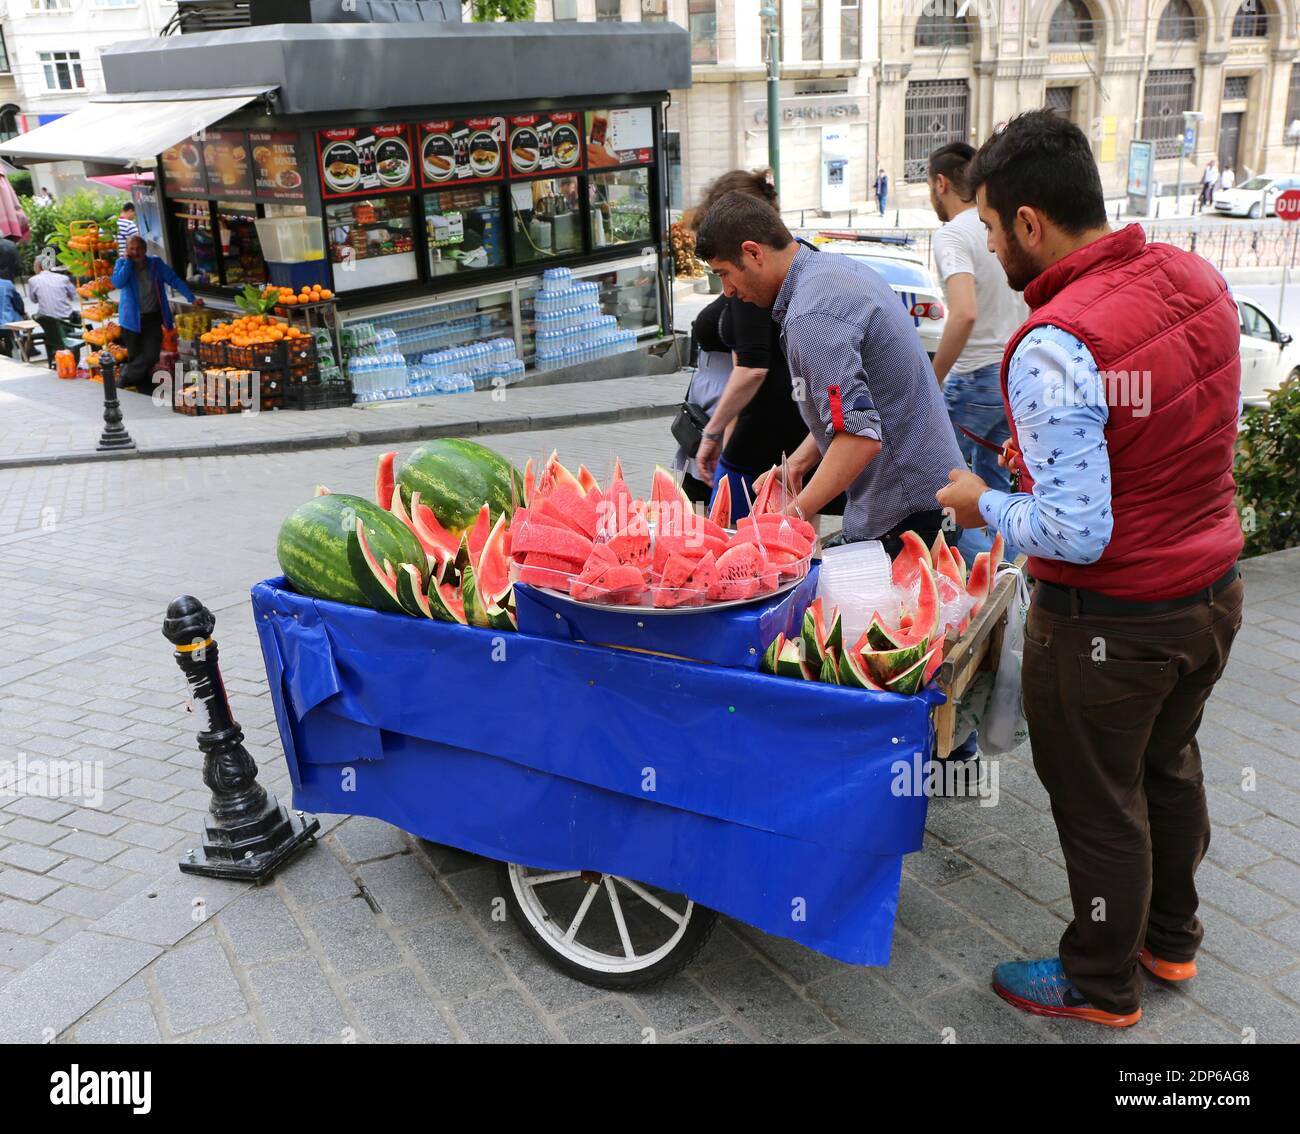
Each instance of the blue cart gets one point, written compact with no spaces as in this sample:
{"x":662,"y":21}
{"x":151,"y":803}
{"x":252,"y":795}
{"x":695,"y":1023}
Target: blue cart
{"x":629,"y":795}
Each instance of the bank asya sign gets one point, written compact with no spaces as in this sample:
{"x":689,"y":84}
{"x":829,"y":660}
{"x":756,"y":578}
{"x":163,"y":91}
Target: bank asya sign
{"x":803,"y":112}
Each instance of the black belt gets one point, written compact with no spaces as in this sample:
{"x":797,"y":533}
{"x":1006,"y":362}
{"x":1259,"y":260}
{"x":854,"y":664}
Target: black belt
{"x":1074,"y":600}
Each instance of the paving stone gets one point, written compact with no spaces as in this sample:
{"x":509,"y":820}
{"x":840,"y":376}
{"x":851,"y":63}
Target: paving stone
{"x":362,"y":838}
{"x":1243,"y":949}
{"x":394,"y":1008}
{"x":676,"y":1005}
{"x":170,"y":909}
{"x":924,"y":912}
{"x":351,"y":939}
{"x":448,"y":860}
{"x":316,"y":876}
{"x":32,"y":831}
{"x":936,"y":864}
{"x":721,"y":1032}
{"x":500,"y":1016}
{"x":453,"y":959}
{"x":20,"y":917}
{"x":1243,"y":900}
{"x":860,"y":1001}
{"x":1197,"y":1027}
{"x":147,"y":811}
{"x":154,"y":838}
{"x":1278,"y":875}
{"x":18,"y":952}
{"x":801,"y":964}
{"x":92,"y":874}
{"x":1230,"y":851}
{"x":973,"y":950}
{"x":1023,"y":868}
{"x":78,"y":900}
{"x":96,"y":822}
{"x":52,"y":994}
{"x":236,"y":1032}
{"x":915,"y":972}
{"x":297,"y":1002}
{"x":37,"y":807}
{"x":766,"y":1003}
{"x":261,"y":928}
{"x":82,"y":844}
{"x":1241,"y":1004}
{"x":128,"y":1023}
{"x":36,"y":860}
{"x":1033,"y":928}
{"x":15,"y":883}
{"x":978,"y":1016}
{"x":198,"y":987}
{"x":605,"y":1022}
{"x":151,"y":790}
{"x":404,"y":889}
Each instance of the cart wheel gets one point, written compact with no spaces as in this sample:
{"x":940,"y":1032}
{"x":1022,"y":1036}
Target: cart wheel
{"x":605,"y":930}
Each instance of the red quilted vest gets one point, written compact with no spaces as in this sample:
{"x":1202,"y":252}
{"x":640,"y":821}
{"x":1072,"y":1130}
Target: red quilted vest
{"x":1142,"y":307}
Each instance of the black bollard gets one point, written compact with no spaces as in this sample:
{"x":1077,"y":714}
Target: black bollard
{"x":248,"y":832}
{"x":115,"y":435}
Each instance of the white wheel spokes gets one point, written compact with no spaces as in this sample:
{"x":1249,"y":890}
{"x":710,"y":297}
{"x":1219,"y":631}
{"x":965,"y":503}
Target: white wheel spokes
{"x":576,"y":924}
{"x":604,"y":954}
{"x":617,"y":907}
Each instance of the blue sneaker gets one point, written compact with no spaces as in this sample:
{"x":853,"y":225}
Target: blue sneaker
{"x":1041,"y":987}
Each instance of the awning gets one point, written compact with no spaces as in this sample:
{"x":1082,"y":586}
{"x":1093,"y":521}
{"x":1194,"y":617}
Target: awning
{"x":129,"y":130}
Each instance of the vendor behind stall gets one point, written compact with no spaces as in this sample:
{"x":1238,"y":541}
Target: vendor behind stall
{"x":144,"y":310}
{"x":859,"y":375}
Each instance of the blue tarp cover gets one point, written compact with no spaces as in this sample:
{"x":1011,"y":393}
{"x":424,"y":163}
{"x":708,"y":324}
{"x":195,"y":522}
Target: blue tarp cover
{"x":769,"y":799}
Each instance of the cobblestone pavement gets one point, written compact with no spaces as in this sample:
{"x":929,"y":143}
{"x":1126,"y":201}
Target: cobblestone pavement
{"x":43,"y":419}
{"x":373,"y":935}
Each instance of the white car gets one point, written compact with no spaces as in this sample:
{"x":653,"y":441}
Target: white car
{"x":1254,"y":198}
{"x":1268,"y":354}
{"x":907,"y":274}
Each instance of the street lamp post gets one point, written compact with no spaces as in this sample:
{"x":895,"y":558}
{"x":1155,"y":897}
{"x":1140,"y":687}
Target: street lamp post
{"x":115,"y":435}
{"x":769,"y":15}
{"x":1190,"y":118}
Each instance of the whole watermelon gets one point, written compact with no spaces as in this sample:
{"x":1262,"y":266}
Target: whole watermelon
{"x":313,"y":545}
{"x":455,"y":477}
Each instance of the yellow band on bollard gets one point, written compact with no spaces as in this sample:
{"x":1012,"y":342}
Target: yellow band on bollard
{"x":197,"y":646}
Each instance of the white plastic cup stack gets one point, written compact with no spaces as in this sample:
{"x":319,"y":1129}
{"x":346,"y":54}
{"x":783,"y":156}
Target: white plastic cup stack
{"x":857,"y":577}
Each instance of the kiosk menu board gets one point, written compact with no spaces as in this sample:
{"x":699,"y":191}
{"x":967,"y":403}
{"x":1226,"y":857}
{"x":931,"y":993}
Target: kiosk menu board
{"x":547,"y":142}
{"x":456,"y":151}
{"x":620,"y":136}
{"x":229,"y":171}
{"x":277,"y":171}
{"x":363,"y":160}
{"x":183,"y":172}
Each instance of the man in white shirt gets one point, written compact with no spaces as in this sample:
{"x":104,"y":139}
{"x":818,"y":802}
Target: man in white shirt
{"x":55,"y":294}
{"x":1229,"y":178}
{"x":1209,"y":178}
{"x":983,"y":314}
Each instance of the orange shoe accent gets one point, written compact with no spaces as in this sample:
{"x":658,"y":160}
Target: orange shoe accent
{"x":1091,"y":1015}
{"x":1173,"y":971}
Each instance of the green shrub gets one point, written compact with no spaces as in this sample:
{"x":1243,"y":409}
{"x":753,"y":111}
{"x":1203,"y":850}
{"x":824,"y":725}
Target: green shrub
{"x":1268,"y":455}
{"x":21,"y":182}
{"x":81,"y":205}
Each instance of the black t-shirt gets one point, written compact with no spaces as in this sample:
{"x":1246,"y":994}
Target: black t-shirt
{"x":771,"y":424}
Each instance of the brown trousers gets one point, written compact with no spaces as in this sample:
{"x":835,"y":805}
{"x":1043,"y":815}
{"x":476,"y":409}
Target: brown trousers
{"x":1113,"y":705}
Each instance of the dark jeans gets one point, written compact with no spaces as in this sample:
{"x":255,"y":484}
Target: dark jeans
{"x":143,"y":348}
{"x":1113,"y":705}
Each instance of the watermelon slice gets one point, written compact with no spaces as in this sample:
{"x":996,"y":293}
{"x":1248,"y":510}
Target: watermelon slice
{"x":763,"y":498}
{"x":907,"y":563}
{"x":909,"y":681}
{"x":776,"y":519}
{"x":885,"y":665}
{"x":995,"y":556}
{"x":384,"y":480}
{"x":545,"y":577}
{"x":790,"y":660}
{"x":446,"y":603}
{"x":720,"y":509}
{"x":960,"y":561}
{"x":558,"y":542}
{"x":945,"y":565}
{"x":854,"y":672}
{"x":556,"y":474}
{"x":378,"y":582}
{"x":587,"y":481}
{"x":818,"y":637}
{"x":768,"y":664}
{"x":493,"y":573}
{"x":830,"y":671}
{"x":925,"y":618}
{"x":676,"y":571}
{"x":980,"y":581}
{"x":576,"y":510}
{"x":702,"y":580}
{"x":776,"y":537}
{"x":738,"y":572}
{"x":439,"y":544}
{"x":668,"y":500}
{"x":632,"y":543}
{"x":934,"y":659}
{"x":478,"y":533}
{"x":530,"y":481}
{"x":410,"y":591}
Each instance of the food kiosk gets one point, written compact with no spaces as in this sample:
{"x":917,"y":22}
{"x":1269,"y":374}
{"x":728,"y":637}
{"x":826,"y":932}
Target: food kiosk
{"x":438,"y":168}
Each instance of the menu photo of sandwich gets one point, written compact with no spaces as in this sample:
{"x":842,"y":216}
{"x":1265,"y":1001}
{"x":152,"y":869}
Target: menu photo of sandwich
{"x":564,"y":144}
{"x":341,"y":164}
{"x":484,"y":153}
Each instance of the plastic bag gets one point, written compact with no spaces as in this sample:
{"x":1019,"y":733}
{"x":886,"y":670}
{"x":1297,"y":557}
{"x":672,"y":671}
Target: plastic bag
{"x":1004,"y":726}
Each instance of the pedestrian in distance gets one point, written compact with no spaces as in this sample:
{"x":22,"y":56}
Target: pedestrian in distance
{"x":1123,"y":413}
{"x":1209,"y":178}
{"x":881,"y":190}
{"x":126,"y":227}
{"x":144,"y":311}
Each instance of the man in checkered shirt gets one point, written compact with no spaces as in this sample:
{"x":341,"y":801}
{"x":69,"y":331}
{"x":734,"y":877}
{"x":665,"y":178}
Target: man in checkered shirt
{"x":876,"y":417}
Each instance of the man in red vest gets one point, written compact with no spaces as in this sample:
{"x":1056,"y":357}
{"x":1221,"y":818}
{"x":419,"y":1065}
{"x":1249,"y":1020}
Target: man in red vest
{"x":1122,"y":393}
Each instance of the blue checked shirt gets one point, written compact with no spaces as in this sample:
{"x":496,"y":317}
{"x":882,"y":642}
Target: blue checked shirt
{"x":842,"y":325}
{"x":1058,"y":399}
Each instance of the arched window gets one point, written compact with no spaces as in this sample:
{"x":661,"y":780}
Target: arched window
{"x":1251,"y":21}
{"x":1177,"y":21}
{"x":8,"y":122}
{"x":941,"y":28}
{"x":1071,"y":23}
